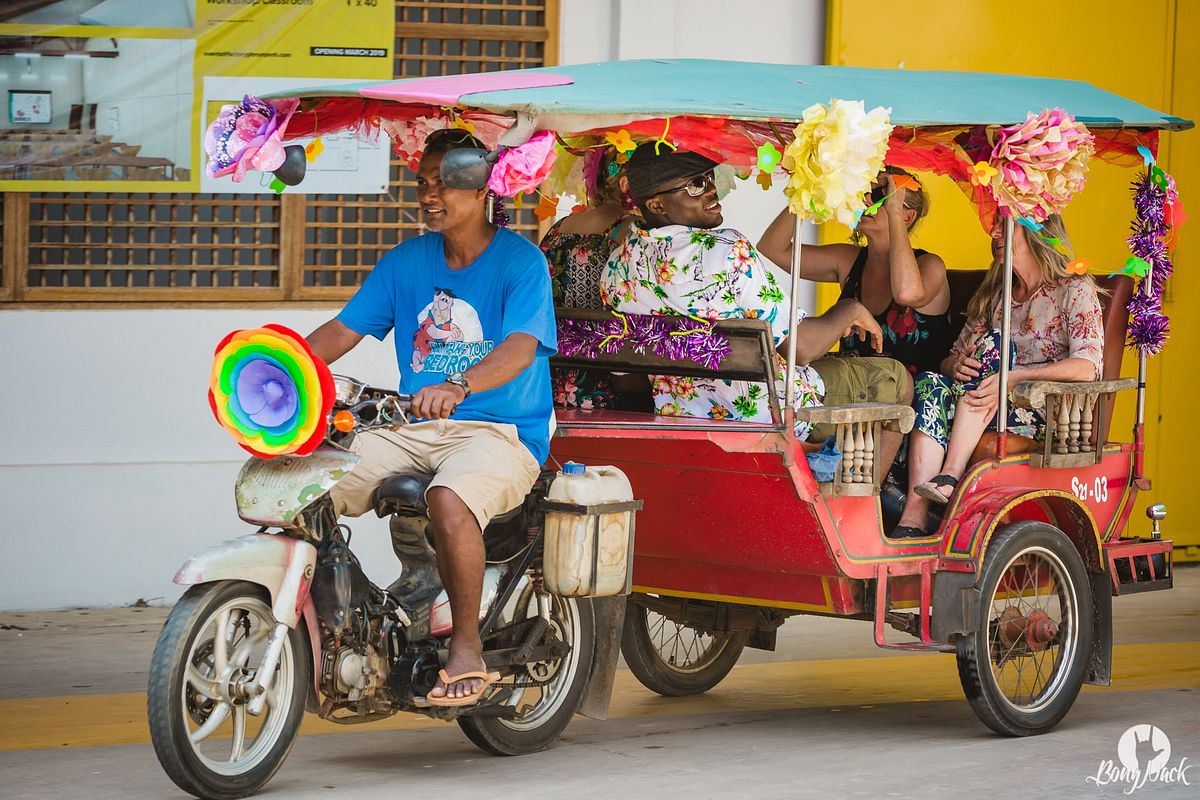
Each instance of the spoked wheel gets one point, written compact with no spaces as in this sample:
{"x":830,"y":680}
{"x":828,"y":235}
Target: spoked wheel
{"x":207,"y":657}
{"x":544,"y":694}
{"x":1023,"y":667}
{"x":675,"y":659}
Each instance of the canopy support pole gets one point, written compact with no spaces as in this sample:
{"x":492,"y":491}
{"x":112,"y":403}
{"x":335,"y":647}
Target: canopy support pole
{"x":1139,"y":426}
{"x":789,"y":408}
{"x":1005,"y":342}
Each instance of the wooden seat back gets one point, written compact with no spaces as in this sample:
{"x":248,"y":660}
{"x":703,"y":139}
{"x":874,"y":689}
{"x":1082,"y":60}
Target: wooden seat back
{"x":752,"y":356}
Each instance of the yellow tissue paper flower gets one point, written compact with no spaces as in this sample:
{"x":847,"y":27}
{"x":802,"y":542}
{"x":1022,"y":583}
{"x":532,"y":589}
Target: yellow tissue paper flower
{"x":836,"y":153}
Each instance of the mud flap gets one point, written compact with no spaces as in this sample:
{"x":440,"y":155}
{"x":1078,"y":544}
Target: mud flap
{"x":608,"y":620}
{"x":1099,"y":668}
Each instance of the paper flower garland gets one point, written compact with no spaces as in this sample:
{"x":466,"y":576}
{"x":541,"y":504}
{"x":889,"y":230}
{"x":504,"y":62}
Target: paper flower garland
{"x":247,"y":136}
{"x":270,"y":392}
{"x":520,"y":169}
{"x":837,"y":152}
{"x":1042,"y":162}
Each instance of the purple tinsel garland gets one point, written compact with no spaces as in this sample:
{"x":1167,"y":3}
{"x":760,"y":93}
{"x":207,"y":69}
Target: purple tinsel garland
{"x":676,"y":338}
{"x":1148,"y":326}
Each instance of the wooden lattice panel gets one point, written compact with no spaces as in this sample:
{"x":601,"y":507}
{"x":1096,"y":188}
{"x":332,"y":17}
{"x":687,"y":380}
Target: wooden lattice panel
{"x":76,"y":247}
{"x":100,"y":246}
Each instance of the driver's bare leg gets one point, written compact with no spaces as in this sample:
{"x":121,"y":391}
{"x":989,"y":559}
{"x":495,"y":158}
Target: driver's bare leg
{"x":460,"y":557}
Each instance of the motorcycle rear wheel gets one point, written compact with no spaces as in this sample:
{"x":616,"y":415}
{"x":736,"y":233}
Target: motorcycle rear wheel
{"x":543,"y":711}
{"x":193,"y":702}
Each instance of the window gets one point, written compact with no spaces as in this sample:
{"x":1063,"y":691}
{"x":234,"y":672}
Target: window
{"x":159,"y":248}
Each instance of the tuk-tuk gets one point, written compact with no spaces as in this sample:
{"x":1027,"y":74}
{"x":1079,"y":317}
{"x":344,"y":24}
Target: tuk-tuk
{"x":737,"y":533}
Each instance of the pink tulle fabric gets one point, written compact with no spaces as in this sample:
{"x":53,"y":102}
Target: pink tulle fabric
{"x":522,"y":168}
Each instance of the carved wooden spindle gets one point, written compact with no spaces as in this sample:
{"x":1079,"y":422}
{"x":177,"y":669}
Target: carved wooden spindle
{"x":1085,"y":423}
{"x":867,"y":475}
{"x":1076,"y":402}
{"x":860,"y":447}
{"x":1061,"y":425}
{"x":846,"y":445}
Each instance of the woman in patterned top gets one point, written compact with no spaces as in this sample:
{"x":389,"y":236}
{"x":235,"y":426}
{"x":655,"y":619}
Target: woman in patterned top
{"x":1057,"y":335}
{"x":576,"y":247}
{"x":905,"y":289}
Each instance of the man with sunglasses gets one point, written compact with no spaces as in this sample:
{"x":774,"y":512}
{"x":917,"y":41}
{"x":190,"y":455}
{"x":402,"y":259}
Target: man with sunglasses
{"x":680,"y":261}
{"x":471,"y":311}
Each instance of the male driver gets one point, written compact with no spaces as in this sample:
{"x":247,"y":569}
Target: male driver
{"x":680,"y":261}
{"x":473,"y":318}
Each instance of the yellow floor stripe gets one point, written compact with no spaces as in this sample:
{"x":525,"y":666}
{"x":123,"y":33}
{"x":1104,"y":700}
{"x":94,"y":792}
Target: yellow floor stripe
{"x":119,"y":719}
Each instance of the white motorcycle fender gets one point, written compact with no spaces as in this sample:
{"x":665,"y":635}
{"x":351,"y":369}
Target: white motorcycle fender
{"x":282,"y":565}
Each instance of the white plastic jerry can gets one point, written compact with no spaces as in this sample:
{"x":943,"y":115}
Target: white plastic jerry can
{"x":589,"y":530}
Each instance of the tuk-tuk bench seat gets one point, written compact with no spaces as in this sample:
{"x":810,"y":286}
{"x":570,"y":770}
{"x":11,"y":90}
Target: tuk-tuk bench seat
{"x":751,"y":358}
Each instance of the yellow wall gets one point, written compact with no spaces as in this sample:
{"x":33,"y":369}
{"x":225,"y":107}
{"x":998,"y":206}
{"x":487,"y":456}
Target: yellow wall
{"x":1126,"y":48}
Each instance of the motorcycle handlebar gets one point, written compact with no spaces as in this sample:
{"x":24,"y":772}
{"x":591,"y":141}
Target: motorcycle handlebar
{"x":381,"y":408}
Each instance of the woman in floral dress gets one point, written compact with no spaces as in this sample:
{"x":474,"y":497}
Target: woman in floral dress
{"x":905,"y":289}
{"x":577,"y":247}
{"x":1057,"y":335}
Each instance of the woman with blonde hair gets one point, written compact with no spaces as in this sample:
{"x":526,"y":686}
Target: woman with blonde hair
{"x":1057,"y":335}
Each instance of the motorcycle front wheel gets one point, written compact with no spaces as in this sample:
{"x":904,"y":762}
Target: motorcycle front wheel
{"x":208,"y":653}
{"x":545,"y":694}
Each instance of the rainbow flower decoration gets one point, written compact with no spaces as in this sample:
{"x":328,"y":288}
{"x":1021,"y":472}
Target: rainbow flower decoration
{"x":270,"y":392}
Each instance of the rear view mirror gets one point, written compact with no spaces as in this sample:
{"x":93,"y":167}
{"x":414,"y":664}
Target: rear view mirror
{"x":467,"y":168}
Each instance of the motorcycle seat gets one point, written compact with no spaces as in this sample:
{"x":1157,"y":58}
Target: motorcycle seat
{"x":404,"y":494}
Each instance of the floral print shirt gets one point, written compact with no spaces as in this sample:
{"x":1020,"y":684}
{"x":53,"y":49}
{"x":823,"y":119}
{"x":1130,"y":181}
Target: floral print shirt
{"x":1056,"y":322}
{"x":576,"y":261}
{"x":709,"y":274}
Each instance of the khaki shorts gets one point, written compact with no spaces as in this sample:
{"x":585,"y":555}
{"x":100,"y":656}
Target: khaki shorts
{"x":859,"y":380}
{"x":484,"y":463}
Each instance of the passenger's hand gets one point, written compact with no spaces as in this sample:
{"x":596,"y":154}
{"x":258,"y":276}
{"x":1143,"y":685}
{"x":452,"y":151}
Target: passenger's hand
{"x":894,"y":204}
{"x":437,"y":401}
{"x":986,"y":395}
{"x":864,"y":326}
{"x":963,"y":367}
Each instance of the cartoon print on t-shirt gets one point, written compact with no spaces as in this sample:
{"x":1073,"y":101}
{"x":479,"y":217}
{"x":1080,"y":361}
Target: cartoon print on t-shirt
{"x":449,"y":336}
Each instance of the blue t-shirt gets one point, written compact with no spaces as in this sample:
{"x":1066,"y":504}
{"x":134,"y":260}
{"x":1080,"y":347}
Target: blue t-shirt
{"x":447,"y":320}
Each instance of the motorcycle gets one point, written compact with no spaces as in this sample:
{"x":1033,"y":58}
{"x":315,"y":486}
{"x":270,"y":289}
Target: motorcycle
{"x":284,"y":620}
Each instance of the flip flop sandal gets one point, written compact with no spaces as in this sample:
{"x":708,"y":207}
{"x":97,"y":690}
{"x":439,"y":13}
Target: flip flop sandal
{"x":929,"y":489}
{"x":488,"y":679}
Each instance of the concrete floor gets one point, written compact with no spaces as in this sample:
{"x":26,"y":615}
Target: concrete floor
{"x":828,"y":713}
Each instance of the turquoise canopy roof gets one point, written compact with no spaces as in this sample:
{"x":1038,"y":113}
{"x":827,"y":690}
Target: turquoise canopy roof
{"x":743,"y":90}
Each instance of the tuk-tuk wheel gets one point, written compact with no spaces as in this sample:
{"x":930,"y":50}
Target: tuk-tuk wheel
{"x":1022,"y":668}
{"x":675,"y":659}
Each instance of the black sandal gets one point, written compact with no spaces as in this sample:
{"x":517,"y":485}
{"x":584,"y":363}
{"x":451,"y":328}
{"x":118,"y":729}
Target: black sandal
{"x":929,"y":489}
{"x":909,"y":532}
